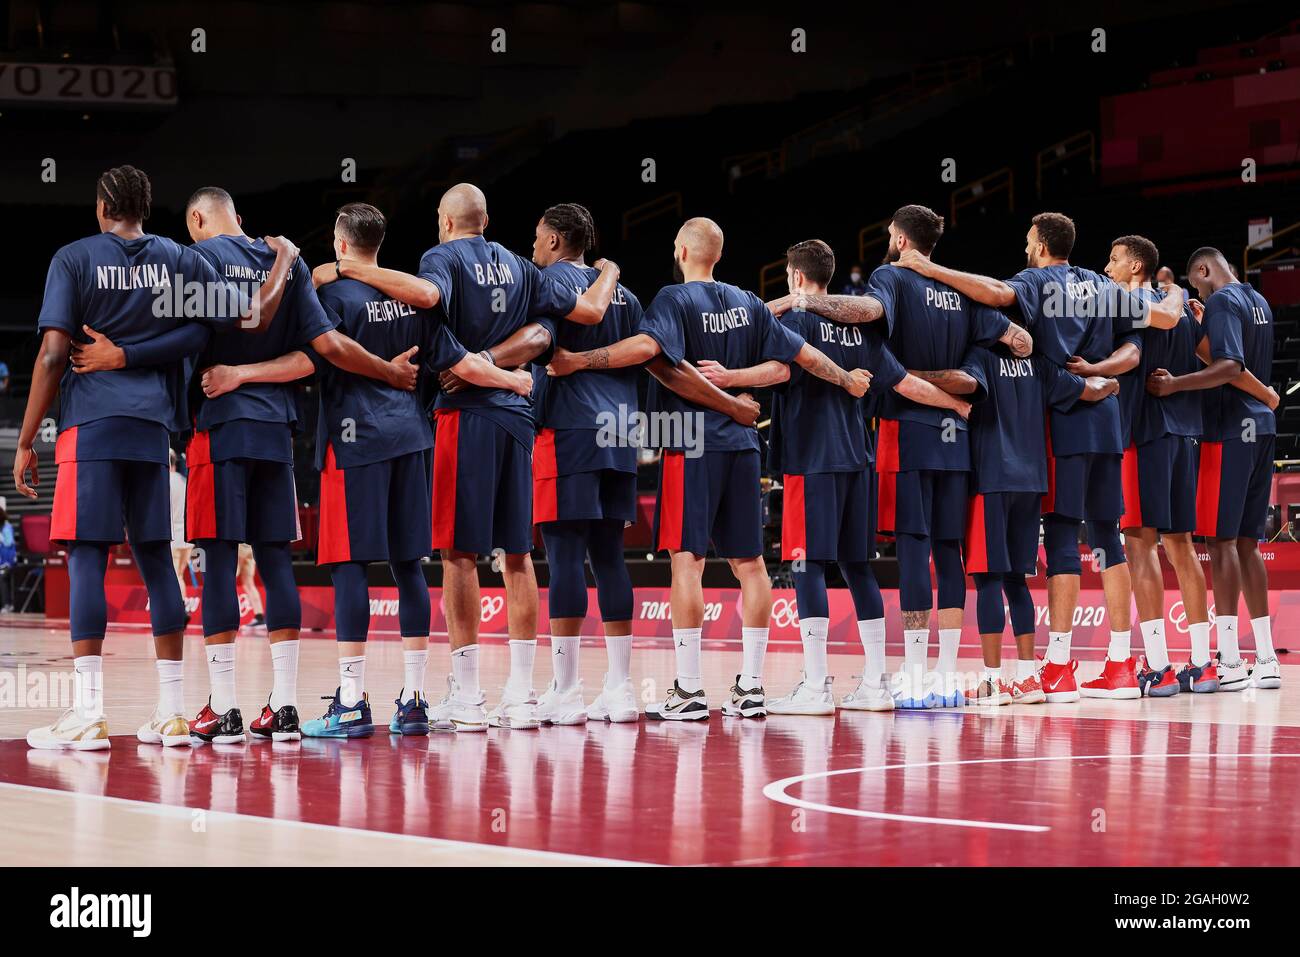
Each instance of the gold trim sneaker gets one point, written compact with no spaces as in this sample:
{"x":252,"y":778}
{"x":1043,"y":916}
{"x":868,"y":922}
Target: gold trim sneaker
{"x":71,"y":733}
{"x":169,"y":730}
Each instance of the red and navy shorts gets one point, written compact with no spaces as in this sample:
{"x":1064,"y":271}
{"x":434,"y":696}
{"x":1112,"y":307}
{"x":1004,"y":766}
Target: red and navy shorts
{"x":829,"y":516}
{"x":482,"y":486}
{"x":593,"y":494}
{"x":238,"y":500}
{"x":95,"y":501}
{"x":1002,"y":533}
{"x":378,"y":512}
{"x":712,"y":498}
{"x":1087,"y":487}
{"x":1235,"y":484}
{"x":1160,"y":485}
{"x":926,"y":502}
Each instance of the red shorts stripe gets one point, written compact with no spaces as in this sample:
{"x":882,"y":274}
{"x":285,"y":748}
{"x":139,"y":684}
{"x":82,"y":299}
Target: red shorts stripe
{"x":887,"y":501}
{"x":672,"y":501}
{"x":334,"y":544}
{"x":446,"y":459}
{"x":1132,"y":517}
{"x":887,"y":446}
{"x":977,"y":546}
{"x":63,"y":519}
{"x":200,"y":490}
{"x":1049,"y":500}
{"x":794,"y":527}
{"x":546,"y":501}
{"x":1208,"y":490}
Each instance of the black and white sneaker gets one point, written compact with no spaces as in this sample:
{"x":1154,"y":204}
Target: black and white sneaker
{"x":680,"y":706}
{"x":745,"y":703}
{"x":1266,"y":673}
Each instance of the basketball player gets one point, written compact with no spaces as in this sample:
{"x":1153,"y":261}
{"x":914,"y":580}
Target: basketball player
{"x":709,"y":473}
{"x":1236,"y":466}
{"x":112,"y":447}
{"x":482,"y":485}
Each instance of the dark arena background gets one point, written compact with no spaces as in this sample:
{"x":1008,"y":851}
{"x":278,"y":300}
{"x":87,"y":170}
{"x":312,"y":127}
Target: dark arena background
{"x":1176,"y":121}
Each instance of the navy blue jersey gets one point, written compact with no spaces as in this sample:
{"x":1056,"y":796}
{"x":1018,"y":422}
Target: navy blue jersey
{"x":817,"y":426}
{"x":108,"y":283}
{"x":712,"y":320}
{"x":1239,"y":325}
{"x":1175,"y":350}
{"x":365,"y":420}
{"x":930,"y":327}
{"x":1008,"y":431}
{"x":299,"y":320}
{"x":1132,"y":385}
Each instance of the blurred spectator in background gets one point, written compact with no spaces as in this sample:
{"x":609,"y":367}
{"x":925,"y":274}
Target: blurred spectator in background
{"x":8,"y":556}
{"x":857,"y":284}
{"x":1165,"y":277}
{"x":4,"y":378}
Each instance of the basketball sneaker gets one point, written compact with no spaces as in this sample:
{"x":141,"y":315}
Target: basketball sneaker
{"x":412,"y":715}
{"x":71,"y":733}
{"x":562,"y":707}
{"x":457,"y":711}
{"x":212,"y":728}
{"x":169,"y":730}
{"x":1118,"y":680}
{"x":943,"y":690}
{"x":278,"y":725}
{"x":907,"y":689}
{"x":806,"y":698}
{"x":869,"y":696}
{"x":988,"y":695}
{"x":1266,"y":673}
{"x":338,"y":721}
{"x":1158,"y":684}
{"x":516,"y":711}
{"x":1231,"y":677}
{"x":1058,"y":682}
{"x":616,"y":705}
{"x":1203,"y":679}
{"x":680,"y":706}
{"x":1028,"y":690}
{"x":745,"y":703}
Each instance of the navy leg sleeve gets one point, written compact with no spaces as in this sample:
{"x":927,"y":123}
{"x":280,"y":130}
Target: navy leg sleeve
{"x":609,"y":568}
{"x":413,"y":606}
{"x":810,"y":590}
{"x":87,"y":607}
{"x":1021,"y":604}
{"x":220,"y":601}
{"x":566,"y":556}
{"x":275,"y":565}
{"x":1106,"y":544}
{"x":166,"y":609}
{"x":914,"y":592}
{"x":1061,"y":542}
{"x":861,"y":580}
{"x":949,"y":573}
{"x":989,"y":611}
{"x":351,"y":601}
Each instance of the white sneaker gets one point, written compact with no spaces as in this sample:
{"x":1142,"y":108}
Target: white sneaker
{"x":869,"y":695}
{"x":169,"y":730}
{"x":616,"y":705}
{"x":907,"y":688}
{"x":745,"y":702}
{"x":458,"y":712}
{"x":805,"y":699}
{"x":1267,"y":673}
{"x":562,"y":707}
{"x":1234,"y":676}
{"x":679,"y":706}
{"x":516,"y":711}
{"x":943,"y":689}
{"x":72,"y":733}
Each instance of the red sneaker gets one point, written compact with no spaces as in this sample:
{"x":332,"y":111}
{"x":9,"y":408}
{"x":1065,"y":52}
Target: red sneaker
{"x":216,"y":728}
{"x":1028,"y":691}
{"x":1118,"y":679}
{"x":281,"y":725}
{"x":1058,"y":682}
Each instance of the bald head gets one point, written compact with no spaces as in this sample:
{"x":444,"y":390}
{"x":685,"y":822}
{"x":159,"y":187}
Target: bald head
{"x":462,"y":211}
{"x":702,"y":238}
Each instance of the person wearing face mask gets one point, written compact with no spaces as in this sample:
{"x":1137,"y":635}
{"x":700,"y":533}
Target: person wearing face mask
{"x":857,"y":284}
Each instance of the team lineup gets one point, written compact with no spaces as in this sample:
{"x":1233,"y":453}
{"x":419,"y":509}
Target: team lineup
{"x":486,"y":394}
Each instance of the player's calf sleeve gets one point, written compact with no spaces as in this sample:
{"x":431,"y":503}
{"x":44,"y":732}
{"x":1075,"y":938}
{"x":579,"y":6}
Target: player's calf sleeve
{"x":865,"y":590}
{"x":914,"y":593}
{"x":810,"y":590}
{"x":566,"y":556}
{"x":220,"y":602}
{"x":166,"y":609}
{"x":1020,"y":602}
{"x":87,"y":607}
{"x":275,"y":565}
{"x":609,"y":568}
{"x":1061,"y":543}
{"x":949,"y":574}
{"x":413,"y":606}
{"x":351,"y":602}
{"x":1106,"y":544}
{"x":989,"y":610}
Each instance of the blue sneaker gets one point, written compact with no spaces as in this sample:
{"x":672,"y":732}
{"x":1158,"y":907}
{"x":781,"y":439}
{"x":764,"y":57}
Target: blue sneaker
{"x":412,"y":716}
{"x":943,"y":691}
{"x":341,"y":722}
{"x":906,"y":687}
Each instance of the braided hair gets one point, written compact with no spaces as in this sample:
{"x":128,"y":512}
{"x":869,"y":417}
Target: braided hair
{"x":573,"y":224}
{"x":126,"y":193}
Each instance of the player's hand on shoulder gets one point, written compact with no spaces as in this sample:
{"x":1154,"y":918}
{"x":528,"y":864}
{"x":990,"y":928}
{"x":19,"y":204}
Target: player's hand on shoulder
{"x":97,"y":355}
{"x":601,"y":264}
{"x":25,"y":461}
{"x":218,"y":380}
{"x":404,"y":370}
{"x":746,"y":410}
{"x":323,"y":274}
{"x":715,"y":372}
{"x":913,"y":260}
{"x":523,"y":383}
{"x":859,"y":383}
{"x":279,"y":244}
{"x":779,"y":307}
{"x":1198,"y":309}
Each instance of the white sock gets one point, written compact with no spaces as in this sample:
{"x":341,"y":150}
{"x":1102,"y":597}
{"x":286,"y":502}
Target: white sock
{"x":993,"y":675}
{"x":1025,"y":669}
{"x":564,"y":660}
{"x":464,"y":669}
{"x":753,"y":643}
{"x":88,"y":686}
{"x":872,"y":633}
{"x":686,"y":641}
{"x":522,"y":653}
{"x":916,"y":648}
{"x":221,"y":676}
{"x":1225,"y":627}
{"x":171,"y":686}
{"x":813,"y":632}
{"x":1058,"y":647}
{"x":618,"y":649}
{"x":1200,"y":633}
{"x":949,"y":643}
{"x":1121,"y":645}
{"x":413,"y":665}
{"x":1153,"y":644}
{"x":1263,"y":629}
{"x":284,"y":674}
{"x":352,"y":680}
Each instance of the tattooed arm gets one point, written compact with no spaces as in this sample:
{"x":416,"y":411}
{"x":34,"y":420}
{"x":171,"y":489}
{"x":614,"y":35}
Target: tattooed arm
{"x":687,"y":382}
{"x":952,"y":381}
{"x":632,"y":351}
{"x":1018,"y":340}
{"x":815,"y":362}
{"x":918,"y":389}
{"x":850,"y":309}
{"x":767,"y":373}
